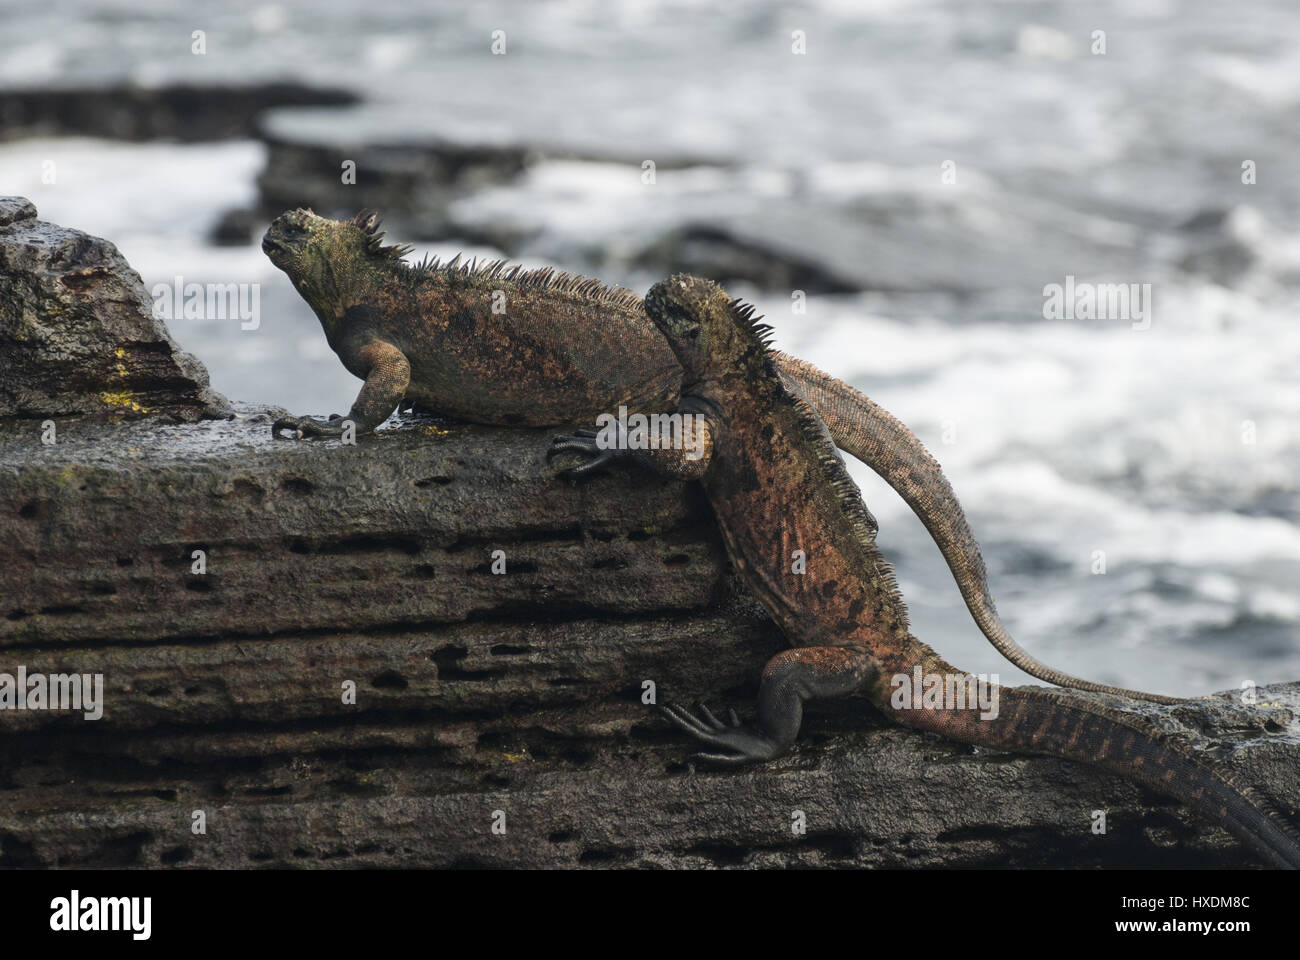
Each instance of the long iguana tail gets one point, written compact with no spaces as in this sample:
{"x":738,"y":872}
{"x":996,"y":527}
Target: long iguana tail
{"x":1060,"y":725}
{"x":883,"y":443}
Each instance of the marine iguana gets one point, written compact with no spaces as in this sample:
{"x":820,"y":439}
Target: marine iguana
{"x":493,"y":344}
{"x":778,"y":485}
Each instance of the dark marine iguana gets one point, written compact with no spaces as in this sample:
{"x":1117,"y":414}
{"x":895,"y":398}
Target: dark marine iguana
{"x":778,"y":485}
{"x":497,"y":345}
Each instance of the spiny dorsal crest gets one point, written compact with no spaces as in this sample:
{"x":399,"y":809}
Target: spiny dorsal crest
{"x":432,"y":268}
{"x":761,"y":333}
{"x":368,"y":221}
{"x":836,"y":476}
{"x":544,"y":278}
{"x":831,"y":464}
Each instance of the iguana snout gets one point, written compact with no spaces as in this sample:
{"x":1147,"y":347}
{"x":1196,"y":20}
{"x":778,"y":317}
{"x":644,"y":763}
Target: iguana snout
{"x":287,"y":236}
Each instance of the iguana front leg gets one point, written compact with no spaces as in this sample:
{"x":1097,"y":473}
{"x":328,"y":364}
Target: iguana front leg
{"x":685,"y":456}
{"x":387,"y":375}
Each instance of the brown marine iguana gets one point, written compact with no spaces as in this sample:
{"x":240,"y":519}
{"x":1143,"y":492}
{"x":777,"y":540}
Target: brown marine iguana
{"x":778,"y":486}
{"x":497,"y":345}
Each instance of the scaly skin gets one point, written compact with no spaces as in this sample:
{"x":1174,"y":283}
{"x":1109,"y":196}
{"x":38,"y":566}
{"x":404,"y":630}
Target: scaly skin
{"x":552,"y":349}
{"x":778,"y":486}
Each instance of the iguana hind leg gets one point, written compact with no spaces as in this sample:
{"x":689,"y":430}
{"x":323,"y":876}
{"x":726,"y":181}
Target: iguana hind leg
{"x":790,"y":679}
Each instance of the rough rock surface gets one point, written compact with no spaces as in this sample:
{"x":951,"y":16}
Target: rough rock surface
{"x":77,"y":332}
{"x":476,"y":692}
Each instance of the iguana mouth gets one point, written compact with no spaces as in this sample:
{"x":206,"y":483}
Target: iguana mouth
{"x":273,"y":249}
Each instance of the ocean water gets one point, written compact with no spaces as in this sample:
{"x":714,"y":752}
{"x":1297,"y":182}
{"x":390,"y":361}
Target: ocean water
{"x":1171,"y":449}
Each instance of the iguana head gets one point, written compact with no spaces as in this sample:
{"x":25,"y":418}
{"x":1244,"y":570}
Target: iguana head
{"x":711,"y":334}
{"x":329,"y":260}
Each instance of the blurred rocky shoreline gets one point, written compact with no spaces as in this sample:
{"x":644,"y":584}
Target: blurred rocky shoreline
{"x":328,"y":149}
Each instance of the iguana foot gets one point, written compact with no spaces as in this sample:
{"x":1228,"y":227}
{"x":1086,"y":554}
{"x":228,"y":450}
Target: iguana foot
{"x":743,"y":744}
{"x":308,"y":427}
{"x":583,"y":442}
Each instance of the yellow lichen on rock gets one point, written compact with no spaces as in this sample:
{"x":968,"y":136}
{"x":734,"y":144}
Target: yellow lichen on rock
{"x":123,"y":400}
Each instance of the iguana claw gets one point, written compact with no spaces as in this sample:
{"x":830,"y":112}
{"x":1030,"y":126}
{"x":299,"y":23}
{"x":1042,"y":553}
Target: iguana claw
{"x":583,"y":442}
{"x":308,"y":427}
{"x":744,"y":745}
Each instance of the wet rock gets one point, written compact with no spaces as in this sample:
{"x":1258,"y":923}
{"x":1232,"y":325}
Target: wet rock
{"x":896,"y":243}
{"x":326,"y":565}
{"x":311,"y":538}
{"x":1219,"y":244}
{"x":803,"y":234}
{"x":412,"y":177}
{"x":708,"y":250}
{"x":237,"y":228}
{"x":77,"y":333}
{"x":173,"y":112}
{"x":328,"y":161}
{"x":412,"y":185}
